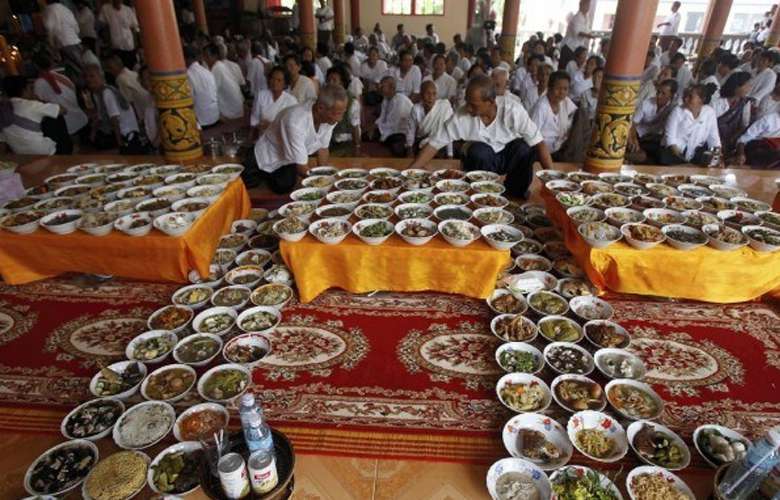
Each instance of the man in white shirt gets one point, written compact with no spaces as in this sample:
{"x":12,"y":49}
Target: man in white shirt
{"x":647,"y":130}
{"x":229,"y":96}
{"x":112,"y":117}
{"x":86,"y":19}
{"x":129,"y":85}
{"x":324,"y":62}
{"x":500,"y":77}
{"x":452,"y":67}
{"x":408,"y":76}
{"x":255,"y":73}
{"x":282,"y":152}
{"x":502,"y":138}
{"x":63,"y":31}
{"x":691,"y":129}
{"x":430,"y":35}
{"x":360,"y":40}
{"x":325,"y":23}
{"x":673,"y":48}
{"x":764,"y":82}
{"x":204,"y":90}
{"x":670,"y":26}
{"x":577,"y":34}
{"x":373,"y":69}
{"x":57,"y":88}
{"x":446,"y":86}
{"x":426,"y":118}
{"x":393,"y":118}
{"x":122,"y":26}
{"x":399,"y":39}
{"x":23,"y":120}
{"x":759,"y":146}
{"x":351,"y":59}
{"x":301,"y":86}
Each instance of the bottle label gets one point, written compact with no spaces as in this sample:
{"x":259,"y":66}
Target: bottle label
{"x":264,"y":479}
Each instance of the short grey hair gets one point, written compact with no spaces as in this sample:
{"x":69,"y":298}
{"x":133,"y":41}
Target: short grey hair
{"x":386,"y":78}
{"x":499,"y":70}
{"x":331,"y":94}
{"x":484,"y":84}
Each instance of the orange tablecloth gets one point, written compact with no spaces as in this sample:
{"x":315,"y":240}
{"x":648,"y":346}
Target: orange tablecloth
{"x":393,"y":266}
{"x":702,"y":274}
{"x":154,"y":257}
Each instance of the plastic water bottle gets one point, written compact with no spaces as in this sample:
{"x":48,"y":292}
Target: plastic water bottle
{"x":745,"y":476}
{"x":256,"y":431}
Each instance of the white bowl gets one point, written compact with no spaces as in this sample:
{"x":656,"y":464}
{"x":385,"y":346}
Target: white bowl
{"x":549,"y":293}
{"x":488,"y":230}
{"x":610,"y":234}
{"x":330,"y":240}
{"x":519,"y":346}
{"x":415,"y":240}
{"x":72,"y":191}
{"x":518,"y":465}
{"x":578,"y":471}
{"x":572,"y":212}
{"x":67,"y":444}
{"x":481,"y":176}
{"x":589,"y":419}
{"x":166,"y":170}
{"x":528,"y":322}
{"x":144,"y":207}
{"x":578,"y":378}
{"x":524,"y":378}
{"x":437,"y":213}
{"x":452,"y":186}
{"x":151,"y":334}
{"x":185,"y":446}
{"x":286,"y":236}
{"x":491,"y":187}
{"x":360,"y":211}
{"x":652,"y":213}
{"x":184,"y":179}
{"x":600,"y":358}
{"x":232,"y":170}
{"x":216,"y":407}
{"x":151,"y":321}
{"x":459,"y":243}
{"x":530,"y":282}
{"x":404,"y":198}
{"x":120,"y":207}
{"x":66,"y":228}
{"x":759,"y":245}
{"x":136,"y":194}
{"x":552,"y":430}
{"x":162,"y":404}
{"x":214,"y":179}
{"x":635,"y":427}
{"x":164,"y":369}
{"x":603,"y":322}
{"x":373,"y":240}
{"x":577,"y":304}
{"x":323,"y":170}
{"x":118,"y":367}
{"x":252,"y":310}
{"x":61,"y":179}
{"x":224,"y":367}
{"x":302,"y":194}
{"x":613,"y":212}
{"x":319,"y":181}
{"x":639,"y":385}
{"x":346,"y":208}
{"x":592,"y":187}
{"x":726,"y":191}
{"x":371,"y":197}
{"x":760,"y":206}
{"x":193,"y":338}
{"x":181,"y":206}
{"x":451,"y":199}
{"x":253,"y":257}
{"x":196,"y":305}
{"x":424,"y":210}
{"x":203,"y":315}
{"x":301,"y":209}
{"x":639,"y":244}
{"x":247,"y":339}
{"x":254,"y":273}
{"x":351,"y":185}
{"x":214,"y":279}
{"x":507,"y":217}
{"x":278,"y":305}
{"x":590,"y":365}
{"x":569,"y":321}
{"x":210,"y":193}
{"x":559,"y":185}
{"x":352,"y":173}
{"x":684,"y":245}
{"x":668,"y":476}
{"x":174,"y":223}
{"x":479,"y":200}
{"x":102,"y":230}
{"x":724,"y":431}
{"x":384,"y":172}
{"x":343,"y":198}
{"x":28,"y":228}
{"x":94,"y":437}
{"x":738,"y":218}
{"x":82,"y":168}
{"x":225,"y":289}
{"x":123,"y":224}
{"x":498,"y":292}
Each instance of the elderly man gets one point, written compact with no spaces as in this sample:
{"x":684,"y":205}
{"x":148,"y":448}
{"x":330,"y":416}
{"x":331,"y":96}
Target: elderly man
{"x":296,"y":133}
{"x":500,"y":77}
{"x":229,"y":96}
{"x":393,"y":119}
{"x":427,"y":117}
{"x":502,"y":137}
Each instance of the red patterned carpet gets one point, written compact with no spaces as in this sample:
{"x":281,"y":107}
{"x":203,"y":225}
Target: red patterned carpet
{"x":388,"y":375}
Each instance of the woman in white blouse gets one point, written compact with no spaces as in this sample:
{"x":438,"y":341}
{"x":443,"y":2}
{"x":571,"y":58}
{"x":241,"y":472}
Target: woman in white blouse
{"x":269,"y":102}
{"x":691,"y":129}
{"x":554,"y":112}
{"x":732,"y":107}
{"x":582,"y":80}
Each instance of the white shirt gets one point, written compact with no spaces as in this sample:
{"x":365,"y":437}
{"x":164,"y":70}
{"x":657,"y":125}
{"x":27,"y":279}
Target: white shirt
{"x":457,"y":74}
{"x":554,"y":127}
{"x":326,"y":11}
{"x":265,"y":108}
{"x":229,"y":97}
{"x":577,"y":25}
{"x":75,"y":118}
{"x":721,"y":105}
{"x":361,"y":43}
{"x":304,"y":90}
{"x":511,"y":122}
{"x":409,"y":83}
{"x":529,"y":91}
{"x":646,"y":118}
{"x":572,"y":69}
{"x":355,"y":87}
{"x":674,"y":25}
{"x":434,"y":39}
{"x":204,"y":94}
{"x":446,"y":86}
{"x":130,"y":87}
{"x":688,"y":133}
{"x":422,"y":125}
{"x":86,"y":20}
{"x":255,"y":75}
{"x":61,"y":25}
{"x":712,"y":79}
{"x":127,"y":120}
{"x":121,"y":24}
{"x":374,"y":74}
{"x":465,"y":64}
{"x":684,"y":78}
{"x":291,"y":138}
{"x":151,"y":128}
{"x":580,"y":85}
{"x":324,"y":63}
{"x":28,"y":142}
{"x":665,"y":59}
{"x":765,"y":127}
{"x":235,"y":71}
{"x":354,"y":64}
{"x":353,"y":118}
{"x":763,"y":84}
{"x":394,"y":116}
{"x":769,"y":104}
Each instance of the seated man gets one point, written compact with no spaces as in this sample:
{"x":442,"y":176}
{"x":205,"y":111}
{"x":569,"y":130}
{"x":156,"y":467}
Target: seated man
{"x":229,"y":96}
{"x":299,"y":131}
{"x":427,"y":117}
{"x":112,"y":118}
{"x":759,"y":146}
{"x":500,"y":77}
{"x":392,"y":122}
{"x":29,"y":126}
{"x":408,"y":76}
{"x":503,"y":139}
{"x":644,"y":138}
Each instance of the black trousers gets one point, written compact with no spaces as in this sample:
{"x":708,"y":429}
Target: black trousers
{"x":516,"y":161}
{"x":667,"y":157}
{"x":128,"y":58}
{"x":761,"y":154}
{"x":397,"y":144}
{"x":651,"y":145}
{"x":56,"y":130}
{"x":280,"y":181}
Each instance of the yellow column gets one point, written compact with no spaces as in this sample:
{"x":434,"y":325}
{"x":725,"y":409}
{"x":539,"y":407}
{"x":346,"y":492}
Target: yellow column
{"x":308,"y":33}
{"x":339,"y":33}
{"x":508,"y":38}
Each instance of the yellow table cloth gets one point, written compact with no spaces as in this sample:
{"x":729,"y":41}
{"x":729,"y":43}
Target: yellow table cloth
{"x":393,"y":266}
{"x":704,"y":273}
{"x":155,"y":257}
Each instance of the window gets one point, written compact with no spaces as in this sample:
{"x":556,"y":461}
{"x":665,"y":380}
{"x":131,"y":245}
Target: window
{"x":418,"y":7}
{"x":693,"y":22}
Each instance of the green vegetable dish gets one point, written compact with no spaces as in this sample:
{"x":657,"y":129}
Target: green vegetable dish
{"x":225,"y":384}
{"x":177,"y":472}
{"x":573,"y":483}
{"x":518,"y":361}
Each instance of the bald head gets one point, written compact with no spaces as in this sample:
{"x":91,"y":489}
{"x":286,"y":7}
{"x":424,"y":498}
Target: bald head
{"x":428,"y":93}
{"x":500,"y":77}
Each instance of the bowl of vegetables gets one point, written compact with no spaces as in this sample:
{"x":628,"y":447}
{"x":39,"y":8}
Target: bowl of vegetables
{"x":523,"y":392}
{"x":762,"y":239}
{"x":619,"y":364}
{"x":119,"y":380}
{"x":373,"y":231}
{"x":169,"y":383}
{"x":556,"y":328}
{"x":416,"y":231}
{"x":513,"y":328}
{"x":215,"y":320}
{"x":719,"y":445}
{"x":176,"y":469}
{"x":259,"y":319}
{"x":458,"y":233}
{"x":574,"y":480}
{"x":151,"y":347}
{"x":224,"y":383}
{"x":197,"y":350}
{"x":658,"y":445}
{"x":501,"y":236}
{"x":247,"y":349}
{"x":330,"y":231}
{"x":290,"y":229}
{"x":519,"y":357}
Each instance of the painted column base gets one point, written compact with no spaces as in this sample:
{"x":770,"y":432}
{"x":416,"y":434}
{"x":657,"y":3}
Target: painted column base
{"x":309,"y":40}
{"x":507,"y":47}
{"x":613,"y":122}
{"x":178,"y":124}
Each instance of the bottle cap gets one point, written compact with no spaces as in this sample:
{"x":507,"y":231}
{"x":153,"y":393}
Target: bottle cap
{"x":774,"y":436}
{"x":247,"y":400}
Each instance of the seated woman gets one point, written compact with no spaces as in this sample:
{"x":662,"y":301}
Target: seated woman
{"x":427,"y":117}
{"x":691,"y":130}
{"x":269,"y":102}
{"x":647,"y":130}
{"x":577,"y":65}
{"x":770,"y":103}
{"x":759,"y":146}
{"x":29,"y":126}
{"x":554,"y":113}
{"x":113,"y":120}
{"x":348,"y":129}
{"x":582,"y":81}
{"x":732,"y":108}
{"x":580,"y":136}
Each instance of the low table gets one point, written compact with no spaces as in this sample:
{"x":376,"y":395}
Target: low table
{"x":393,"y":266}
{"x":154,"y":257}
{"x":704,"y":273}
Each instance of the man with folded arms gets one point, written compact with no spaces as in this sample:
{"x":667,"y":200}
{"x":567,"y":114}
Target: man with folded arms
{"x":501,"y":137}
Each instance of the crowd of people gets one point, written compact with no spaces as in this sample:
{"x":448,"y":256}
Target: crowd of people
{"x":417,"y":95}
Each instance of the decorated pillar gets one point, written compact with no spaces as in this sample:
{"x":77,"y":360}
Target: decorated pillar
{"x":339,"y":28}
{"x":354,"y":15}
{"x":713,"y":30}
{"x":625,"y":63}
{"x":509,"y":30}
{"x":773,"y":40}
{"x":308,"y":33}
{"x":200,"y":16}
{"x":470,"y":15}
{"x":178,"y":125}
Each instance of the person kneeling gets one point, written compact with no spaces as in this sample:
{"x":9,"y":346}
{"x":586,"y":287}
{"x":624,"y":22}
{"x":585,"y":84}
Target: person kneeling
{"x":690,"y":130}
{"x":282,"y":152}
{"x":502,"y":138}
{"x":759,"y":146}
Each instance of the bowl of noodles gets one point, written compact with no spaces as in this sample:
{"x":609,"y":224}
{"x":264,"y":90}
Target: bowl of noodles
{"x":597,"y":436}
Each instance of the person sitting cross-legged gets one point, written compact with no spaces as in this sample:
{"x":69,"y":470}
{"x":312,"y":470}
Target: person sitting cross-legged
{"x":393,"y":119}
{"x":427,"y":117}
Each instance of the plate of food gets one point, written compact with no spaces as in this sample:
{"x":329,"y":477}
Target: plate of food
{"x":609,"y":200}
{"x":634,"y":400}
{"x":658,"y":445}
{"x":599,"y":234}
{"x":373,"y":231}
{"x":259,"y":319}
{"x":563,"y":186}
{"x":581,"y":176}
{"x":727,"y":192}
{"x":379,"y":197}
{"x":589,"y":308}
{"x":770,"y":219}
{"x":458,"y":233}
{"x":254,"y":257}
{"x":455,"y":199}
{"x":714,"y":204}
{"x":144,"y":425}
{"x":452,"y":212}
{"x":92,"y":420}
{"x":416,"y":231}
{"x":452,"y":186}
{"x":694,"y":190}
{"x":719,"y":445}
{"x":597,"y":436}
{"x":501,"y":236}
{"x":198,"y":349}
{"x":570,"y":199}
{"x":216,"y":320}
{"x":119,"y":380}
{"x":155,"y":206}
{"x":519,"y":357}
{"x":602,"y":333}
{"x":373,"y":211}
{"x":577,"y":392}
{"x":762,"y":239}
{"x":247,"y":349}
{"x":661,"y":190}
{"x":575,"y":481}
{"x":224,"y":383}
{"x":481,"y":176}
{"x":151,"y":347}
{"x":487,"y":187}
{"x":330,"y":231}
{"x":630,"y":189}
{"x":169,"y":383}
{"x":644,"y":179}
{"x":619,"y":364}
{"x":738,"y":218}
{"x":538,"y":439}
{"x":684,"y":237}
{"x":502,"y":301}
{"x":648,"y":482}
{"x":513,"y":328}
{"x":682,"y":203}
{"x":640,"y":203}
{"x":248,"y":276}
{"x":557,"y":328}
{"x":176,"y":469}
{"x":527,"y":246}
{"x":387,"y":183}
{"x":568,"y":358}
{"x":201,"y":422}
{"x":61,"y":468}
{"x":545,"y":303}
{"x":592,"y":187}
{"x":583,"y":214}
{"x":642,"y":236}
{"x":569,"y":288}
{"x":523,"y":392}
{"x":529,"y":282}
{"x":489,"y":200}
{"x":173,"y":318}
{"x":274,"y":295}
{"x":660,"y":217}
{"x":174,"y":224}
